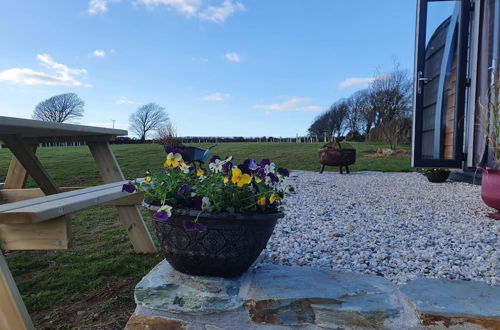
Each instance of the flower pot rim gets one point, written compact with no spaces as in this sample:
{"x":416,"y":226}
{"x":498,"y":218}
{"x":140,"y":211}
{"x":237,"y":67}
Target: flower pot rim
{"x":224,"y":215}
{"x":488,"y":169}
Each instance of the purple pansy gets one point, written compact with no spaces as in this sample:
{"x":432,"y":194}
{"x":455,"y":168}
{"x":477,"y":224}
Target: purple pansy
{"x":174,"y":150}
{"x":130,"y":188}
{"x":184,"y":189}
{"x":227,"y":167}
{"x":191,"y":226}
{"x":273,"y":177}
{"x":213,"y":159}
{"x":244,"y":169}
{"x":161,"y":216}
{"x":261,"y":173}
{"x":196,"y":202}
{"x":252,"y":165}
{"x":283,"y":171}
{"x":265,"y":162}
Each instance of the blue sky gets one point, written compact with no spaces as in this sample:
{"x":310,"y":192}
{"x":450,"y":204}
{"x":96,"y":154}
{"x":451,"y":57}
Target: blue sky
{"x":220,"y":67}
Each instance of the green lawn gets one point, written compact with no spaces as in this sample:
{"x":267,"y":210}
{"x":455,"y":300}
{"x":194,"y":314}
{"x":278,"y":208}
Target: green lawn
{"x":97,"y":275}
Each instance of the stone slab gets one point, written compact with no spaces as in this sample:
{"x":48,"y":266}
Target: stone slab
{"x":450,"y":303}
{"x":164,"y":288}
{"x":298,"y":295}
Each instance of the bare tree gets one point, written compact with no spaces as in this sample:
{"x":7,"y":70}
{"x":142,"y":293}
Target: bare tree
{"x":319,"y":128}
{"x":390,"y":100}
{"x":146,"y":118}
{"x":359,"y":112}
{"x":60,"y":108}
{"x":167,"y":136}
{"x":337,"y":116}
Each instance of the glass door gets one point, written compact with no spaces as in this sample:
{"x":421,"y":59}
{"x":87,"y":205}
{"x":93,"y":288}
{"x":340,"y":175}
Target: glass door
{"x":440,"y":83}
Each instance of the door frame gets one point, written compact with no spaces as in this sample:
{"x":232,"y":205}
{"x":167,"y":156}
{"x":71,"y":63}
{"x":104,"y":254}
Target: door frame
{"x":461,"y":85}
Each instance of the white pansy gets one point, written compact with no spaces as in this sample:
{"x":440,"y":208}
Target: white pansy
{"x":166,"y":209}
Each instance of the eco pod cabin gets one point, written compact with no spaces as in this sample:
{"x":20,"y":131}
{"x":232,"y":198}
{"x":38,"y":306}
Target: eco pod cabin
{"x":456,"y":57}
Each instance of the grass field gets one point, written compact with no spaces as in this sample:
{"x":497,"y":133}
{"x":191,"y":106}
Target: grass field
{"x":91,"y":284}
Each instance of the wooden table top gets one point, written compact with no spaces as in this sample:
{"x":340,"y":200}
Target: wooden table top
{"x":42,"y":130}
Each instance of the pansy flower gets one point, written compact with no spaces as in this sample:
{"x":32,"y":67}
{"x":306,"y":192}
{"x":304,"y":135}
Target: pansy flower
{"x":239,"y":178}
{"x":216,"y":166}
{"x":264,"y":162}
{"x":192,"y":226}
{"x":227,"y":167}
{"x":244,"y":168}
{"x":252,"y":165}
{"x":283,"y":171}
{"x":147,"y":180}
{"x":273,"y":178}
{"x":164,"y":213}
{"x":269,"y":168}
{"x":174,"y":150}
{"x":184,"y":189}
{"x":261,"y":201}
{"x":273,"y":198}
{"x":173,"y":160}
{"x":213,"y":159}
{"x":184,"y":168}
{"x":130,"y":188}
{"x":199,"y":172}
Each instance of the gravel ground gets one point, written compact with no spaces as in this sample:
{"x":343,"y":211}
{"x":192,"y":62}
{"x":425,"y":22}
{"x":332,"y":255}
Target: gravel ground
{"x":396,"y":225}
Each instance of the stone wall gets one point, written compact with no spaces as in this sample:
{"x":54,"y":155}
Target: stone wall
{"x":280,"y":297}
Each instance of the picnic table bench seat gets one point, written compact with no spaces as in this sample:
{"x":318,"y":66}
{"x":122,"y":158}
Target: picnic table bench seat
{"x":45,"y":208}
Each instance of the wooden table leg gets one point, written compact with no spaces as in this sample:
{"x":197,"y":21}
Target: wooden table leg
{"x":130,"y":216}
{"x":13,"y":312}
{"x":24,"y":153}
{"x":17,"y":174}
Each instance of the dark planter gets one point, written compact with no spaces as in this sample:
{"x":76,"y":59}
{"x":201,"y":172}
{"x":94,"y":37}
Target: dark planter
{"x":228,"y":248}
{"x":490,"y":190}
{"x":437,"y":177}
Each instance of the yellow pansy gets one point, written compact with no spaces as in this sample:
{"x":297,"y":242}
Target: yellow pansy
{"x":261,"y":201}
{"x":273,"y":198}
{"x":173,"y":160}
{"x":257,"y":179}
{"x":200,"y":172}
{"x":147,"y":180}
{"x":240,"y":179}
{"x":226,"y":179}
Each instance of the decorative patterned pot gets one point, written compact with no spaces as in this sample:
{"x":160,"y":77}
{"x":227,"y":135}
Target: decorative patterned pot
{"x":228,"y":248}
{"x":437,"y":177}
{"x":490,"y":190}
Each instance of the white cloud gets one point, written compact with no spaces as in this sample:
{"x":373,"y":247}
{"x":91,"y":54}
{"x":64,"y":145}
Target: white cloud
{"x":356,"y":81}
{"x":233,"y":57}
{"x":219,"y":14}
{"x":292,"y":104}
{"x":97,"y":7}
{"x":187,"y":7}
{"x":216,"y":97}
{"x":197,"y":8}
{"x":99,"y":53}
{"x":62,"y":76}
{"x":124,"y":100}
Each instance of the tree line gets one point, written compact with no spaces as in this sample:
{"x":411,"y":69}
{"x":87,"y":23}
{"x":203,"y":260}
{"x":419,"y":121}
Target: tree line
{"x":380,"y":112}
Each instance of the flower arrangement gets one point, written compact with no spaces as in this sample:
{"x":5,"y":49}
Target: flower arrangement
{"x":435,"y":170}
{"x":246,"y":188}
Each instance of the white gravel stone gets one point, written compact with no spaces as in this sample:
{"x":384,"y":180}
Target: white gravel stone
{"x":396,"y":225}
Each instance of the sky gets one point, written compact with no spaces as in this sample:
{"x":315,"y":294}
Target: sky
{"x":219,"y":67}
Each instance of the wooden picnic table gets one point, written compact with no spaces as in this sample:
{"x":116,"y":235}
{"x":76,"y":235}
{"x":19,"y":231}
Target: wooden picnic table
{"x":38,"y":218}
